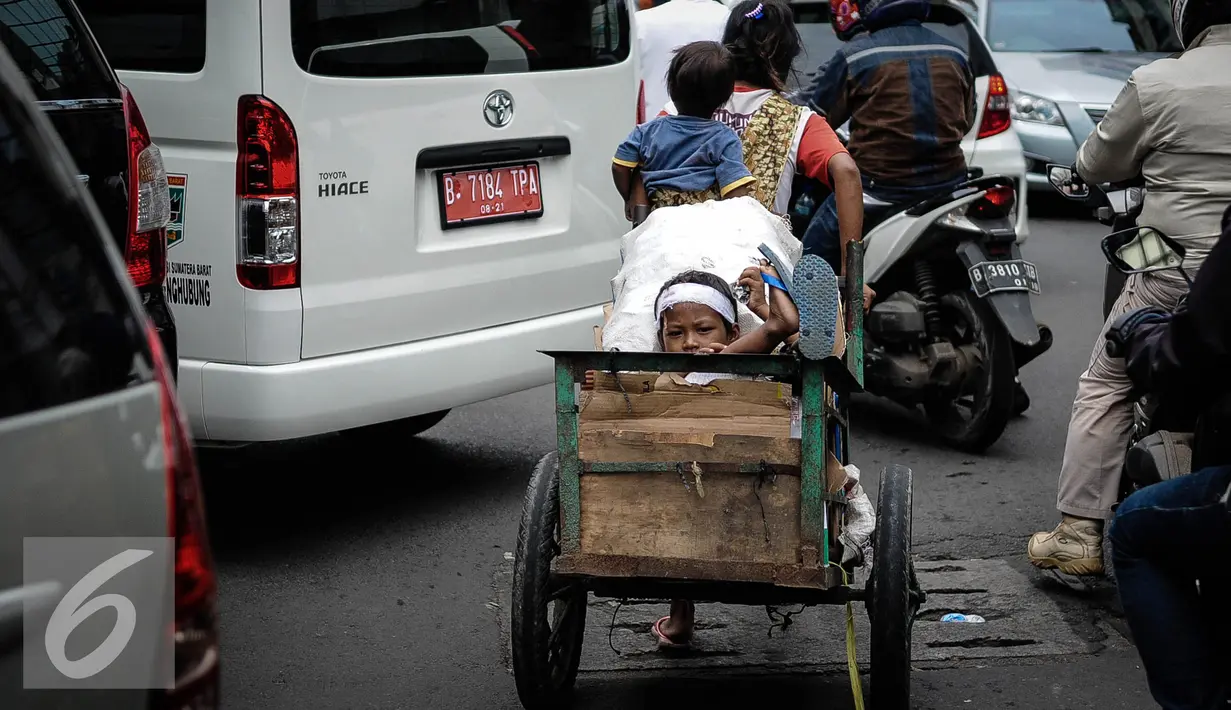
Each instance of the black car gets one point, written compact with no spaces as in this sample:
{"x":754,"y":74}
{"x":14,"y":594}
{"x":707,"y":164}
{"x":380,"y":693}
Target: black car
{"x":98,"y":119}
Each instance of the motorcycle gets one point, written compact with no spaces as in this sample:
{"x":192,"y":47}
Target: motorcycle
{"x":952,"y":321}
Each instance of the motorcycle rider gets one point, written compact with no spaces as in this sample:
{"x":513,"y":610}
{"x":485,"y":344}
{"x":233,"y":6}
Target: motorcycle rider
{"x":1170,"y":125}
{"x":907,"y":126}
{"x":1182,"y":631}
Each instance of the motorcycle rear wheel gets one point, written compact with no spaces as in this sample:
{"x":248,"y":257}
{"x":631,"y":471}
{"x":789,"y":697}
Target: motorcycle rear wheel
{"x":988,"y":392}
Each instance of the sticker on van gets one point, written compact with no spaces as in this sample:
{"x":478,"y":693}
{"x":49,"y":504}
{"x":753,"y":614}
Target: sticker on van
{"x":178,"y":185}
{"x":188,"y":284}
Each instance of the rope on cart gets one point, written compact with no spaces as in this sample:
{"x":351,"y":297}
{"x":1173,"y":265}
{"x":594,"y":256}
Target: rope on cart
{"x":611,"y":629}
{"x":679,"y":468}
{"x":611,"y":370}
{"x":786,"y":618}
{"x":851,"y":663}
{"x":766,"y":470}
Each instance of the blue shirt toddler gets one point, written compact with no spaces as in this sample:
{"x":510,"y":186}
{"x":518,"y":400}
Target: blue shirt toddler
{"x":685,"y":153}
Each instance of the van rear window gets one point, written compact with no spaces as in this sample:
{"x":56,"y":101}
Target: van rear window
{"x":411,"y":38}
{"x":149,"y":35}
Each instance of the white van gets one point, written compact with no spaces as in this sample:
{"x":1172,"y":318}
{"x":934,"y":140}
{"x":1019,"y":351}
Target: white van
{"x":383,"y":208}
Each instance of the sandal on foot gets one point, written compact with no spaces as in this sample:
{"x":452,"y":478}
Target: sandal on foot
{"x":664,"y":642}
{"x":816,"y":296}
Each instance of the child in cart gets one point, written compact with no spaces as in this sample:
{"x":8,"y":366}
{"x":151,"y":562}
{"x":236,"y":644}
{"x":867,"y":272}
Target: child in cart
{"x":687,"y":158}
{"x":696,"y":313}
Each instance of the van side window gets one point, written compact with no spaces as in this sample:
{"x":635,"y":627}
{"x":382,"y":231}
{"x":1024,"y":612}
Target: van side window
{"x":67,"y":331}
{"x":149,"y":35}
{"x":412,"y":38}
{"x":44,"y":39}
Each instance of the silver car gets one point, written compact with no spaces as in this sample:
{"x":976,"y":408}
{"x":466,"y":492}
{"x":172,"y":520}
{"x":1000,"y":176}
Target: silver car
{"x":93,"y":444}
{"x":1065,"y":61}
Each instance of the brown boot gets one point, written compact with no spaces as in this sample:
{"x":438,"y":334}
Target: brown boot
{"x":1074,"y":547}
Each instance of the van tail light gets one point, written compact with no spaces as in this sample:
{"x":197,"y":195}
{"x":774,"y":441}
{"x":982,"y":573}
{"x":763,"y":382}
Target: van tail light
{"x":641,"y":103}
{"x":996,"y":119}
{"x":996,"y":203}
{"x":267,"y":191}
{"x":196,"y":583}
{"x":149,"y":202}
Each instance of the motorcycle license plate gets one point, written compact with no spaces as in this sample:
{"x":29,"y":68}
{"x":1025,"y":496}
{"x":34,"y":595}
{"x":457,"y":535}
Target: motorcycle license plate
{"x":988,"y":277}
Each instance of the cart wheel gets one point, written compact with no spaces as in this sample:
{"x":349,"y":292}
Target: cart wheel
{"x":549,"y":620}
{"x":891,"y":600}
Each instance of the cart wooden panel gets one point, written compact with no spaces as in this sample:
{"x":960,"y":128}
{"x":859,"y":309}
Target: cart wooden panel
{"x":646,"y":514}
{"x":728,"y":481}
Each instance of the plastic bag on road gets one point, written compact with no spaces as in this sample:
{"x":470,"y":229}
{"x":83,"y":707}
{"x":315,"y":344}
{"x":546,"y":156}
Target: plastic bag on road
{"x":856,"y":535}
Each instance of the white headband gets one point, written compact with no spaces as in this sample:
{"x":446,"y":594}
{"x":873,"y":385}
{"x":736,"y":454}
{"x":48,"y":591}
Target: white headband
{"x":695,"y":293}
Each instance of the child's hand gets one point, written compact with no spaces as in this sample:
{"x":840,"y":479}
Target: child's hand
{"x":637,"y":195}
{"x":751,"y":280}
{"x":783,"y":315}
{"x":868,"y":296}
{"x":712,"y":349}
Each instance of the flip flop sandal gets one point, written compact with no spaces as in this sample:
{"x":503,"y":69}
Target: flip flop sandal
{"x":784,"y":271}
{"x":783,"y":284}
{"x":816,"y":296}
{"x":769,"y":279}
{"x":664,"y":642}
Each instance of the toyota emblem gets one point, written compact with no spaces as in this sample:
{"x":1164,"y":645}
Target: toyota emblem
{"x":498,"y":108}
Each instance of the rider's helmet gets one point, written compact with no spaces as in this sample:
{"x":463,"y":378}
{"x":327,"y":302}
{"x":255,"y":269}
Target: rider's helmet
{"x":1192,"y":17}
{"x":845,"y":18}
{"x":849,"y":17}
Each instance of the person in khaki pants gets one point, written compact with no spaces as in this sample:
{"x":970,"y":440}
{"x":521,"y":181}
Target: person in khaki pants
{"x":1172,"y":124}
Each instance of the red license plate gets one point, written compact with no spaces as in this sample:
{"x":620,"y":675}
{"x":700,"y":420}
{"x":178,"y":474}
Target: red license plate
{"x":490,"y":195}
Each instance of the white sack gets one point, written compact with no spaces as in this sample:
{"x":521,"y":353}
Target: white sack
{"x":719,"y":236}
{"x":860,"y":522}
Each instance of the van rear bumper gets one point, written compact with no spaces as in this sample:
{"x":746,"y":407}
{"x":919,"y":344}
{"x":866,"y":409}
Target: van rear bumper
{"x":252,"y":403}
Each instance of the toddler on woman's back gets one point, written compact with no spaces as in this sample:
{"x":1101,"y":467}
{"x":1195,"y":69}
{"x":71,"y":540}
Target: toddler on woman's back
{"x":689,"y":157}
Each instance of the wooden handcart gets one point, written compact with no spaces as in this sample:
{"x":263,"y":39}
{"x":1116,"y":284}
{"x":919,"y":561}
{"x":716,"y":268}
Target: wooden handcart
{"x":730,"y":492}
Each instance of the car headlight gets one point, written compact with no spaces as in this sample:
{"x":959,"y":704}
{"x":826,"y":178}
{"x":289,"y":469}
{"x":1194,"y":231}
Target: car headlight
{"x":1035,"y":109}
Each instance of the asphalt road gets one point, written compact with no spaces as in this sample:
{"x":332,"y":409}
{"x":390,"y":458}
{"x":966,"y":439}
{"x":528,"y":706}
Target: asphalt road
{"x":377,"y":577}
